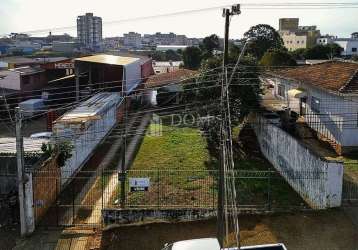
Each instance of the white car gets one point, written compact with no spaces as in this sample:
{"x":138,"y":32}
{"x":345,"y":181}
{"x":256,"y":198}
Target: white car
{"x":41,"y":135}
{"x":213,"y":244}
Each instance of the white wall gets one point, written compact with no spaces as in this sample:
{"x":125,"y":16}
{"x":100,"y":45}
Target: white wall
{"x":132,"y":75}
{"x":317,"y":181}
{"x":11,"y":80}
{"x":347,"y":46}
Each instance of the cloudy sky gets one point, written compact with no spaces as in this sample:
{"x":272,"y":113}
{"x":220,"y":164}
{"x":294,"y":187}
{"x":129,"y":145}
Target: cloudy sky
{"x":30,"y":15}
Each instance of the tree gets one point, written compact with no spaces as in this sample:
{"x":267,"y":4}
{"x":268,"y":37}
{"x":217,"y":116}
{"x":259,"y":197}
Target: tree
{"x":323,"y":51}
{"x":243,"y":94}
{"x":192,"y":57}
{"x":210,"y":43}
{"x":265,"y":38}
{"x":171,"y":55}
{"x":277,"y":57}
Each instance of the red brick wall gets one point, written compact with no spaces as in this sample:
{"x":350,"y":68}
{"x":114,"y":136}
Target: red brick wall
{"x":147,"y":69}
{"x":46,"y":185}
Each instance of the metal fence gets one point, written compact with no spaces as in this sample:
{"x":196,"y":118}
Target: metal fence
{"x":81,"y":202}
{"x":350,"y":184}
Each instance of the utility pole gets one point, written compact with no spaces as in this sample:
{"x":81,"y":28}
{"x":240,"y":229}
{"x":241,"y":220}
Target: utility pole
{"x":20,"y":169}
{"x":123,"y":171}
{"x":77,"y":75}
{"x":225,"y":128}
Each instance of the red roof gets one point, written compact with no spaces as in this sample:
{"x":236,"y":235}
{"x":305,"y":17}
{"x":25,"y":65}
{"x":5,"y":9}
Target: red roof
{"x":334,"y":76}
{"x":168,"y":78}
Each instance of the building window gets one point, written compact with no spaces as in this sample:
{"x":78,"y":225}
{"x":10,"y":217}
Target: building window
{"x":281,"y":90}
{"x":354,"y":49}
{"x":315,"y":104}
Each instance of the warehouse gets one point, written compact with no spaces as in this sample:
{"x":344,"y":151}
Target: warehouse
{"x":107,"y":72}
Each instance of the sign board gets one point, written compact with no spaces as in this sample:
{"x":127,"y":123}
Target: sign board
{"x":64,"y":65}
{"x":139,"y":184}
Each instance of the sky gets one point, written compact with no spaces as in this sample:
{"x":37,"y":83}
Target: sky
{"x":30,"y":15}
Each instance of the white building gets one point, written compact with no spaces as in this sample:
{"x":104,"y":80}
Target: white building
{"x":132,"y":40}
{"x":84,"y":128}
{"x":349,"y":46}
{"x":326,"y":96}
{"x":89,"y":31}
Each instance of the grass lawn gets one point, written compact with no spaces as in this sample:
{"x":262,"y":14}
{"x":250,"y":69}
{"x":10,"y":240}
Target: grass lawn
{"x":178,"y":165}
{"x":181,"y":174}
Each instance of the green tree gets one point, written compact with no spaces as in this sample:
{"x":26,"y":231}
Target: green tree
{"x":277,"y":57}
{"x":192,"y":57}
{"x":323,"y":52}
{"x":265,"y":38}
{"x":243,"y":94}
{"x":171,"y":55}
{"x":209,"y":44}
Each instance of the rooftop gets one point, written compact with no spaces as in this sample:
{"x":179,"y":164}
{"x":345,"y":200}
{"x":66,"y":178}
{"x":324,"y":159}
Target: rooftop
{"x":90,"y":109}
{"x":8,"y":145}
{"x":108,"y":59}
{"x":169,"y":78}
{"x":28,"y":70}
{"x":333,"y":76}
{"x":25,"y":60}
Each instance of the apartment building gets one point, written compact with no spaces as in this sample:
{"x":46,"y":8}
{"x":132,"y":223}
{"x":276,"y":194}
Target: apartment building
{"x":132,"y":40}
{"x":89,"y":31}
{"x":295,"y":36}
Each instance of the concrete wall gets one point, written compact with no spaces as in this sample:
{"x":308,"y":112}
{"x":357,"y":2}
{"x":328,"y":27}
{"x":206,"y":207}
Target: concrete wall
{"x":319,"y":182}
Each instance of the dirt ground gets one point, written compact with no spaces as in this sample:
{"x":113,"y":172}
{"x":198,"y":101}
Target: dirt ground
{"x":328,"y":230}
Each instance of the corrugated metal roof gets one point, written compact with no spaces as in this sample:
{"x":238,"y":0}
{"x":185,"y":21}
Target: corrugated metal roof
{"x":8,"y":145}
{"x":90,"y":109}
{"x":108,"y":59}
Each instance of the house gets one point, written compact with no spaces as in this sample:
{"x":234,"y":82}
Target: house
{"x":166,"y":87}
{"x":325,"y":95}
{"x":23,"y":79}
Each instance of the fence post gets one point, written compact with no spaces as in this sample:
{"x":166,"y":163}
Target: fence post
{"x":102,"y":187}
{"x":73,"y":203}
{"x":158,"y":178}
{"x":269,"y":191}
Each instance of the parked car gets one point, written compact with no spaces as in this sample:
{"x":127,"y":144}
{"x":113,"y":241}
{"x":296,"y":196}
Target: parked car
{"x":213,"y":244}
{"x":41,"y":135}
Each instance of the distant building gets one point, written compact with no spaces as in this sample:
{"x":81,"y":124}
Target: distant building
{"x":288,"y":24}
{"x":295,"y":36}
{"x":324,"y":40}
{"x":89,"y":31}
{"x":132,"y":40}
{"x":349,"y":45}
{"x":65,"y":47}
